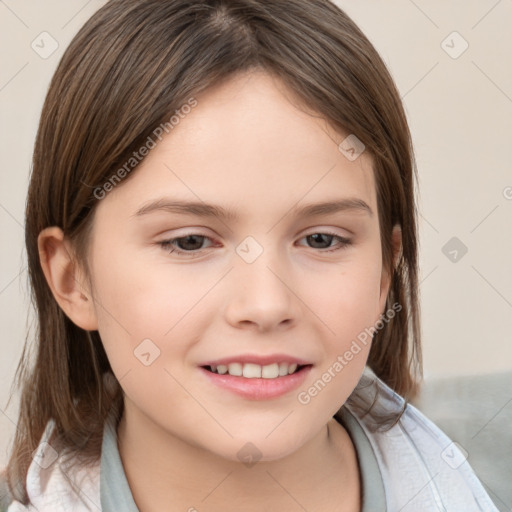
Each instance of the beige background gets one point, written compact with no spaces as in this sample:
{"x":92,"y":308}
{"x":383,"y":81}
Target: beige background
{"x":460,"y":112}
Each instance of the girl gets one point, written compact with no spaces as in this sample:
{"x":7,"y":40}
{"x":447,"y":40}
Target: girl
{"x":258,"y":369}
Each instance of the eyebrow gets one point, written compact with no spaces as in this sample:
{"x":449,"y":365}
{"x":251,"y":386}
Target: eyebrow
{"x":201,"y":209}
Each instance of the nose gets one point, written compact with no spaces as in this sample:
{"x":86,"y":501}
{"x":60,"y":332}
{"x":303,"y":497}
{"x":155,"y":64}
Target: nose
{"x":261,"y":294}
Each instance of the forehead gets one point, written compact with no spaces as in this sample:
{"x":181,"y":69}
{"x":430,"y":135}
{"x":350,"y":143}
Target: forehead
{"x":248,"y":144}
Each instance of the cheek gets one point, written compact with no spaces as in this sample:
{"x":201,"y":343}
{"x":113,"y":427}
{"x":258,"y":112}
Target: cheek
{"x":129,"y":295}
{"x":143,"y":323}
{"x":349,"y":316}
{"x":348,"y":309}
{"x":351,"y":297}
{"x":135,"y":303}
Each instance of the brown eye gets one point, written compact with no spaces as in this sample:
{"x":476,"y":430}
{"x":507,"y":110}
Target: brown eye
{"x":320,"y":240}
{"x":187,"y":245}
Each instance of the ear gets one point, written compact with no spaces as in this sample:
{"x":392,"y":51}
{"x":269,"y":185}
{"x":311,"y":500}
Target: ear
{"x":396,"y":238}
{"x":65,"y":279}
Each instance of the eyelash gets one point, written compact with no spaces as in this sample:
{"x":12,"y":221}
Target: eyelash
{"x":166,"y":244}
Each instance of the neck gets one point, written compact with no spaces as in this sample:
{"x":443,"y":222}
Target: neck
{"x":165,"y":471}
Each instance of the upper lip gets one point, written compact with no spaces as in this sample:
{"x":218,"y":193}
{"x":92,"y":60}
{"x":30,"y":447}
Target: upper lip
{"x":261,"y":360}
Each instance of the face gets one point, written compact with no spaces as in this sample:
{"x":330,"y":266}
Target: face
{"x":176,"y":289}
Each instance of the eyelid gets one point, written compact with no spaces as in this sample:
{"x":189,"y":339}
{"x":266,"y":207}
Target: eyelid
{"x":345,"y":233}
{"x":190,"y":230}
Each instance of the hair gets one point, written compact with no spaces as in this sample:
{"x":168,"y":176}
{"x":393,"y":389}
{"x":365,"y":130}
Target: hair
{"x":129,"y":68}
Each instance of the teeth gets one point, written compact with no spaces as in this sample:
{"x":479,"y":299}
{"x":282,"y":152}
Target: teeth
{"x":235,"y":369}
{"x":255,"y":371}
{"x":222,"y":369}
{"x":270,"y":372}
{"x":251,"y":371}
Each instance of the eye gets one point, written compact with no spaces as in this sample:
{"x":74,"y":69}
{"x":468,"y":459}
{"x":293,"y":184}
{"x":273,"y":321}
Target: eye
{"x":322,"y":238}
{"x":191,"y":244}
{"x":185,"y":244}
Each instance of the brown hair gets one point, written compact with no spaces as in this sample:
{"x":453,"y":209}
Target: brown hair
{"x":126,"y":72}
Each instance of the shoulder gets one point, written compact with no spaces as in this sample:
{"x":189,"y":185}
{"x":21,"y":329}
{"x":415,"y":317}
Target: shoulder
{"x":422,"y":469}
{"x":54,"y":484}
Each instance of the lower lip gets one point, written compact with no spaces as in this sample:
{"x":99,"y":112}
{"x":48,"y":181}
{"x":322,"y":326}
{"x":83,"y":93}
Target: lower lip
{"x":259,"y":389}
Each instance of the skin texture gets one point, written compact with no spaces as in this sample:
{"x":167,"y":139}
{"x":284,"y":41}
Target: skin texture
{"x":247,"y":147}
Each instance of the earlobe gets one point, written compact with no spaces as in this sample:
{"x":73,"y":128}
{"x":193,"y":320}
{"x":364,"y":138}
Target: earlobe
{"x":65,"y":279}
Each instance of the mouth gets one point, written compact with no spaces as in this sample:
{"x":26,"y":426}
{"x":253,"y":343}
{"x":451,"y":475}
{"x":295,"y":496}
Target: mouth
{"x":253,"y":382}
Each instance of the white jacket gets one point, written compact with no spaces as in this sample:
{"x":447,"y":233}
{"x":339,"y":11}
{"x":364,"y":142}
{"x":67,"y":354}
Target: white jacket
{"x":421,"y":469}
